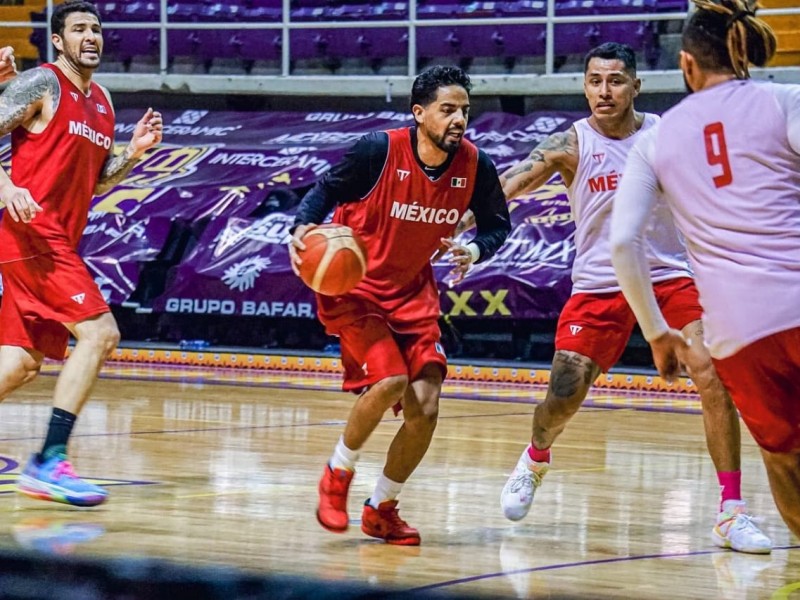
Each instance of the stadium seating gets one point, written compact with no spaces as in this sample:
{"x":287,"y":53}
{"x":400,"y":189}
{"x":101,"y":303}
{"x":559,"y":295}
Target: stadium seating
{"x":358,"y":49}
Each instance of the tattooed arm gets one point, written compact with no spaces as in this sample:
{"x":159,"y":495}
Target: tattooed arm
{"x":29,"y":101}
{"x":557,"y":153}
{"x":147,"y":133}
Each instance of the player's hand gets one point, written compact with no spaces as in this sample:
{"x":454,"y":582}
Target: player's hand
{"x":666,"y":349}
{"x":8,"y":66}
{"x":148,"y":132}
{"x":461,"y":259}
{"x":19,"y":203}
{"x":295,"y":244}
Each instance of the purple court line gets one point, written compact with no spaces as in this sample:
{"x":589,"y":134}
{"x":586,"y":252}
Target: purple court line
{"x":587,"y":563}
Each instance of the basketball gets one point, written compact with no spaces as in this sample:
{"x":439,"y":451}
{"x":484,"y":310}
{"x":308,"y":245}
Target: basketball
{"x":334,"y":261}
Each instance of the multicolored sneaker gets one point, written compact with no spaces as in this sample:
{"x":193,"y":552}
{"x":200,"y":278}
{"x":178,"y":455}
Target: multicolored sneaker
{"x":385,"y":523}
{"x":55,"y":480}
{"x":517,"y":495}
{"x":332,"y":508}
{"x":735,"y":529}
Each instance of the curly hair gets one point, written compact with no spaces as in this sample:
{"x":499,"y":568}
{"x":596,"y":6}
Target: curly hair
{"x":425,"y":86}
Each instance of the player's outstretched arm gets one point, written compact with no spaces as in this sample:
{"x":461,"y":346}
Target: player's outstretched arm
{"x":148,"y":133}
{"x":557,"y":153}
{"x":30,"y":98}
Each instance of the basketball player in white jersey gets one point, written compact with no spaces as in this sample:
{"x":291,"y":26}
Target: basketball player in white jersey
{"x":596,"y":323}
{"x":727,"y":159}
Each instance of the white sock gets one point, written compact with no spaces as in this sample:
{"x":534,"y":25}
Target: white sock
{"x":385,"y":489}
{"x":343,"y":457}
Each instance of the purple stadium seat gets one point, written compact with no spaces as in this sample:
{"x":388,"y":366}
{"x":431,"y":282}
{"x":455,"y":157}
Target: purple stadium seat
{"x":258,"y":45}
{"x":525,"y":8}
{"x":440,"y":41}
{"x":519,"y":40}
{"x":371,"y":43}
{"x":124,"y":44}
{"x":310,"y":43}
{"x":138,"y":11}
{"x":504,"y":41}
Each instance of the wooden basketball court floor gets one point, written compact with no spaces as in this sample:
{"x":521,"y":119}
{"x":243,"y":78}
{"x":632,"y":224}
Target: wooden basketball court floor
{"x":221,"y":466}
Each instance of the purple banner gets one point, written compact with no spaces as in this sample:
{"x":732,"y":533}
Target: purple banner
{"x":114,"y":246}
{"x":239,"y":267}
{"x":234,"y":180}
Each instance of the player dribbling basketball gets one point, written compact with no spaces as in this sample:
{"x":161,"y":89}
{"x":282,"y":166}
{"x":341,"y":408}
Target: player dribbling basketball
{"x":388,"y":324}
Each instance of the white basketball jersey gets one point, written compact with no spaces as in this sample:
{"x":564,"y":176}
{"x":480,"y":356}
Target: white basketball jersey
{"x":726,"y":164}
{"x":601,"y":161}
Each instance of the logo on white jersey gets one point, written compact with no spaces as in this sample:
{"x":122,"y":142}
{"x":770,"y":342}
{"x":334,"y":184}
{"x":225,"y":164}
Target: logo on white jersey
{"x":458,"y":182}
{"x":79,"y":298}
{"x":575,"y":329}
{"x":74,"y":96}
{"x":598,"y":157}
{"x":403,"y":174}
{"x":102,"y":109}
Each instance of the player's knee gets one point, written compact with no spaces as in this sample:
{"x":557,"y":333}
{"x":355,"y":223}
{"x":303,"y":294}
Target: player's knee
{"x":392,"y":388}
{"x":29,"y":372}
{"x":18,"y":374}
{"x":705,"y":376}
{"x":103,"y":338}
{"x":571,"y":375}
{"x":426,"y":416}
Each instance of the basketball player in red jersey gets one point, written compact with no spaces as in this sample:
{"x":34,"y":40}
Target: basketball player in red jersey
{"x":62,"y":133}
{"x":403,"y":191}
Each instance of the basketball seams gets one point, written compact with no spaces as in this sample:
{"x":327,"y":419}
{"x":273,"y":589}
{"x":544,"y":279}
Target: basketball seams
{"x":332,"y":263}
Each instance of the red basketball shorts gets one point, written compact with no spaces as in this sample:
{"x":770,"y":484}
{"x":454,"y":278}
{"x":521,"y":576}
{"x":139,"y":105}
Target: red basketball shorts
{"x":372,"y":351}
{"x":763,"y":379}
{"x":599,"y":326}
{"x":42,"y":293}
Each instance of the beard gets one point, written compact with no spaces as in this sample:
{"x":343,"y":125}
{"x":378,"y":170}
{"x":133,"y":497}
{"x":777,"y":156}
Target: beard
{"x":446,"y":145}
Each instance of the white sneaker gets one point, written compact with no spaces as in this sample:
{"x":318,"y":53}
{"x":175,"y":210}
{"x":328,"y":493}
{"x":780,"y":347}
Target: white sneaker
{"x":735,"y":529}
{"x":518,"y":492}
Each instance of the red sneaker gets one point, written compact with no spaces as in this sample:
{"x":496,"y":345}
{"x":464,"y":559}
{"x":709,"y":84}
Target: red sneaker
{"x":332,"y":509}
{"x":385,"y":523}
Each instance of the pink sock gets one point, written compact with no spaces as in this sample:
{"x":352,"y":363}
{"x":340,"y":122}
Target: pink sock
{"x":730,"y":483}
{"x":539,"y":455}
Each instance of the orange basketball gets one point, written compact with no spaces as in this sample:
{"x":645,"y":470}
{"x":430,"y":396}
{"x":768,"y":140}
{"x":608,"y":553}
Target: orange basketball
{"x":334,"y":261}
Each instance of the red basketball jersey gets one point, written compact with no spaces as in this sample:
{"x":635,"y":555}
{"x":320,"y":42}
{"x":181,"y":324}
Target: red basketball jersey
{"x":60,"y":167}
{"x":402,"y":221}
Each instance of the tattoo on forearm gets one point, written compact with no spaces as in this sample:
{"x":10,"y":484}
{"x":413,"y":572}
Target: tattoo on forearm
{"x":532,"y":171}
{"x":22,"y":93}
{"x":117,"y":168}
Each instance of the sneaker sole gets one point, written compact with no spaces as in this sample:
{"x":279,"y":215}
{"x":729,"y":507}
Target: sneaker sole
{"x":409,"y":541}
{"x":30,"y":487}
{"x":330,"y":528}
{"x":722,"y":542}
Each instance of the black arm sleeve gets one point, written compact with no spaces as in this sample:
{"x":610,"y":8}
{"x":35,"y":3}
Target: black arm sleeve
{"x":347,"y":181}
{"x":488,"y":204}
